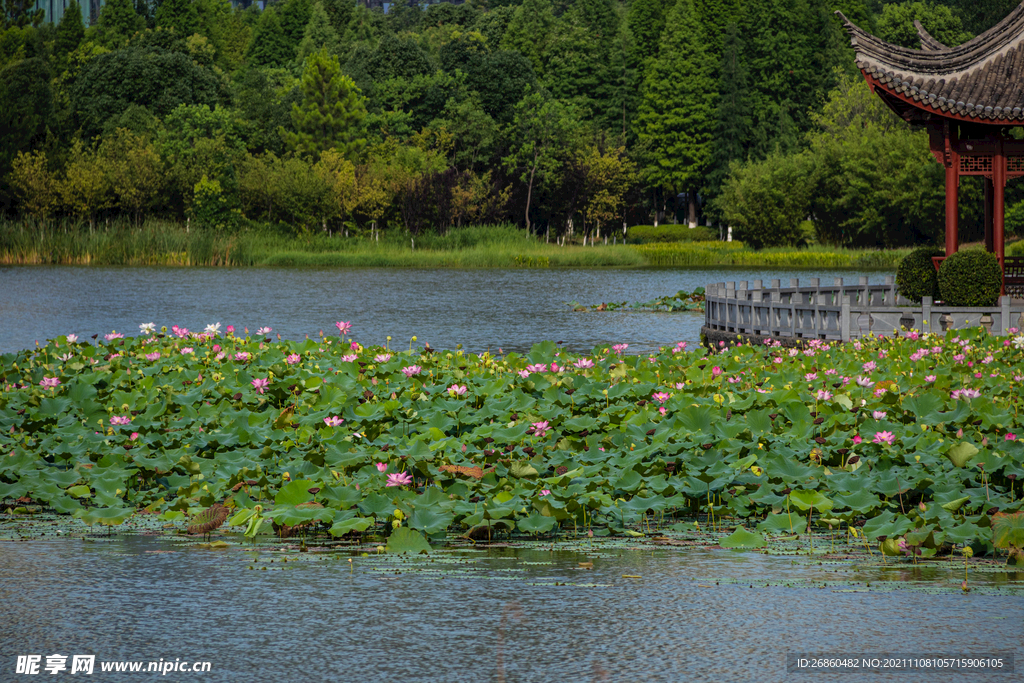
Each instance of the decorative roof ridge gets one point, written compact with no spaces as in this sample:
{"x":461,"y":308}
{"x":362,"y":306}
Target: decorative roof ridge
{"x":928,"y":43}
{"x":950,"y":60}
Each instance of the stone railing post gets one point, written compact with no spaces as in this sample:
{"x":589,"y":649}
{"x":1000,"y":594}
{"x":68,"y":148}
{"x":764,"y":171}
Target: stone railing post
{"x":1004,"y":315}
{"x":926,"y":314}
{"x":844,"y":318}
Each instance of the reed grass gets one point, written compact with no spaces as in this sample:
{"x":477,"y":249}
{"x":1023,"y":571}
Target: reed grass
{"x":165,"y":243}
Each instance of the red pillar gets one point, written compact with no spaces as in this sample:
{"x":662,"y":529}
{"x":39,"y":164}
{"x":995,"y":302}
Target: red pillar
{"x":990,"y":245}
{"x":998,"y":192}
{"x":952,"y":190}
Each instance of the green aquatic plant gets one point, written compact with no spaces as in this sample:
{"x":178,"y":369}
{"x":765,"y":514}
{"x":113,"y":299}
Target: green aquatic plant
{"x":911,"y":438}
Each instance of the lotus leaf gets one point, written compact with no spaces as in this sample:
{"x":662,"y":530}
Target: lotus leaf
{"x":741,"y":538}
{"x":405,"y":540}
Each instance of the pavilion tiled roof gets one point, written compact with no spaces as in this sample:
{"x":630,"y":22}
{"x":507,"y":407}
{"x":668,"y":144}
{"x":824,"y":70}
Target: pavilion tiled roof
{"x":983,"y":79}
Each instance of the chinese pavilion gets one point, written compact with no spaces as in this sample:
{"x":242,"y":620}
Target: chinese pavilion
{"x":968,"y":97}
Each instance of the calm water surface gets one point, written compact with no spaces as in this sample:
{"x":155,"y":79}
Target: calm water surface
{"x":473,"y":615}
{"x":480,"y":309}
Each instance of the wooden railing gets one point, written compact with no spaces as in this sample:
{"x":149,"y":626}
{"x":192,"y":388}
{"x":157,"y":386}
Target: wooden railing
{"x":842,"y":311}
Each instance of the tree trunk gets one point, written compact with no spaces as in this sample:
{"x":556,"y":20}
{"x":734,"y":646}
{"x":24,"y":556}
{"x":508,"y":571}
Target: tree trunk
{"x":529,"y":191}
{"x":693,"y":209}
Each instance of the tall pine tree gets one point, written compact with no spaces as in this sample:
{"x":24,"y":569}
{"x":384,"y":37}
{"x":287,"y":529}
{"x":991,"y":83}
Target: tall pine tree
{"x":269,"y":45}
{"x":70,"y":31}
{"x":331,"y":112}
{"x":676,"y":121}
{"x":119,"y":22}
{"x":646,"y":21}
{"x":529,"y":32}
{"x":339,"y":12}
{"x":181,"y":15}
{"x":320,"y":34}
{"x":733,"y":121}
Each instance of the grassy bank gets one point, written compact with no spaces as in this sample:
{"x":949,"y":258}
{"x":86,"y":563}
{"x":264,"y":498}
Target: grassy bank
{"x":161,"y":243}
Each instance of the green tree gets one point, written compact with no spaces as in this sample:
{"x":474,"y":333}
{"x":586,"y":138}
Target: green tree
{"x":69,"y":33}
{"x":339,"y":12}
{"x":677,"y":115}
{"x":269,"y":45}
{"x":158,"y":80}
{"x":34,"y":184}
{"x":85,"y":187}
{"x":118,"y":22}
{"x":646,"y":21}
{"x":544,"y":134}
{"x":896,"y":24}
{"x":765,"y":201}
{"x":181,"y":15}
{"x":133,"y":168}
{"x":320,"y":34}
{"x":294,"y":15}
{"x":529,"y":32}
{"x":331,"y":112}
{"x":27,"y":105}
{"x":732,"y":120}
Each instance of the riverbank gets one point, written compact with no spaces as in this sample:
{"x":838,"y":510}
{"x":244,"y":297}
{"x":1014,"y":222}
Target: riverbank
{"x":158,"y":243}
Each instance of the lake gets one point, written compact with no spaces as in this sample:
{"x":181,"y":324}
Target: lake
{"x":642,"y":613}
{"x":511,"y":309}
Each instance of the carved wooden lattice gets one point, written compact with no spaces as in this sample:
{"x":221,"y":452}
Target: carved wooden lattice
{"x":976,"y":164}
{"x":1015,"y":164}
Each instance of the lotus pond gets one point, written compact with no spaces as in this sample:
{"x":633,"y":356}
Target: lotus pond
{"x":909,"y":447}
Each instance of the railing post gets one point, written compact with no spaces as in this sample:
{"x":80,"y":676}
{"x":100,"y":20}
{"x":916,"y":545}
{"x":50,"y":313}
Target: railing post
{"x":865,"y":296}
{"x":844,"y":319}
{"x":1004,"y":315}
{"x":926,"y":314}
{"x":890,"y":294}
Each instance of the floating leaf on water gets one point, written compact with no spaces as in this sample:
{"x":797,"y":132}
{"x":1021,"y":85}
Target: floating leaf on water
{"x":741,"y":538}
{"x":405,"y":540}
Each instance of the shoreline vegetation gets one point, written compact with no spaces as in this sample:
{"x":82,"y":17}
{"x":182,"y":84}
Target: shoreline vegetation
{"x":163,"y":243}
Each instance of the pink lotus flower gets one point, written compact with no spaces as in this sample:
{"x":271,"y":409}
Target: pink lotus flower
{"x":264,"y":330}
{"x":584,"y":364}
{"x":884,"y":437}
{"x":457,"y":390}
{"x":220,"y":356}
{"x":1011,"y":437}
{"x":831,"y":371}
{"x":538,"y":367}
{"x":555,"y":368}
{"x":869,"y":367}
{"x":134,"y":436}
{"x":619,"y":348}
{"x":333,"y":421}
{"x":930,"y":378}
{"x":260,"y":384}
{"x":49,"y":383}
{"x":525,"y":374}
{"x":680,"y":386}
{"x":399,"y":479}
{"x":959,"y":358}
{"x":187,"y":350}
{"x":811,"y":376}
{"x":382,"y":357}
{"x":113,"y":335}
{"x":777,"y":360}
{"x":348,"y":358}
{"x":242,"y":356}
{"x":824,"y":395}
{"x":878,"y":414}
{"x":231,"y":329}
{"x":411,"y":370}
{"x":72,"y":338}
{"x":879,"y":392}
{"x":544,"y":492}
{"x":66,"y":356}
{"x":716,"y":371}
{"x":661,"y":397}
{"x":153,"y":356}
{"x":120,"y":420}
{"x":382,"y":467}
{"x":343,"y":327}
{"x":857,"y":439}
{"x":292,"y":359}
{"x":540,"y":428}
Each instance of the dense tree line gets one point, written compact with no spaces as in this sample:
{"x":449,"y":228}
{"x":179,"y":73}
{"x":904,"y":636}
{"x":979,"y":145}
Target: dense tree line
{"x":570,"y":117}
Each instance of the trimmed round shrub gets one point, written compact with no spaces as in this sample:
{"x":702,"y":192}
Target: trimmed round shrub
{"x":916,"y":276}
{"x":970,"y":278}
{"x":648,"y":234}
